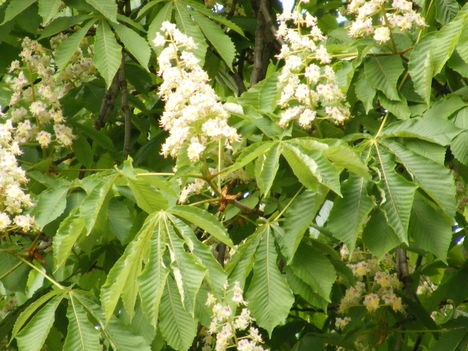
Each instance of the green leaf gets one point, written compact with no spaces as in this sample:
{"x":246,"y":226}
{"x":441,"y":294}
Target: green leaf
{"x":378,"y":236}
{"x":308,"y":259}
{"x":107,"y":53}
{"x":60,"y":24}
{"x":350,"y":213}
{"x":50,"y":205}
{"x":185,"y":23}
{"x":459,"y":147}
{"x":33,"y":335}
{"x":177,"y":325}
{"x":203,"y":220}
{"x":151,"y":193}
{"x":399,"y":109}
{"x":83,"y":151}
{"x":399,"y":194}
{"x":343,"y":156}
{"x":81,"y":333}
{"x":48,"y":9}
{"x":134,"y":43}
{"x":220,"y":41}
{"x":446,"y":10}
{"x":266,"y":167}
{"x":436,"y":180}
{"x":301,"y":288}
{"x":429,"y":229}
{"x":297,"y":219}
{"x":14,"y":8}
{"x":121,"y":280}
{"x":70,"y":45}
{"x":249,"y":154}
{"x":269,"y":296}
{"x":164,"y":14}
{"x":420,"y":67}
{"x":108,"y":8}
{"x":70,"y":229}
{"x":364,"y":92}
{"x":215,"y":17}
{"x":382,"y":73}
{"x":263,"y":96}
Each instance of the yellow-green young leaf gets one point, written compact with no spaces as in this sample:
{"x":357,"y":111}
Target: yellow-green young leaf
{"x":263,"y":95}
{"x":266,"y":167}
{"x":221,"y":42}
{"x":81,"y":332}
{"x":249,"y":154}
{"x":108,"y":8}
{"x":14,"y":8}
{"x":430,"y":231}
{"x":70,"y":45}
{"x":383,"y":72}
{"x":177,"y":325}
{"x":203,"y":220}
{"x":134,"y":43}
{"x":351,"y":212}
{"x":48,"y":9}
{"x":269,"y":296}
{"x":33,"y":335}
{"x":107,"y":53}
{"x":398,"y":196}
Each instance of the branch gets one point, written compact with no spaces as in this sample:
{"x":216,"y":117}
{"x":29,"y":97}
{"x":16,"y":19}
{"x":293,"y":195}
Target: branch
{"x":125,"y":107}
{"x":108,"y":103}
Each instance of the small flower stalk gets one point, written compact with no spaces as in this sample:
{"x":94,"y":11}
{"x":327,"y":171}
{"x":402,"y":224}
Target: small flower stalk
{"x":193,"y":115}
{"x":307,"y":81}
{"x":229,"y":328}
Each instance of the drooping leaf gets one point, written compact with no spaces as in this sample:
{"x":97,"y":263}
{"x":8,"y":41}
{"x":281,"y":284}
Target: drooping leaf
{"x":48,"y":9}
{"x":430,"y":230}
{"x":351,"y":212}
{"x":269,"y":295}
{"x":399,"y":194}
{"x":81,"y":333}
{"x":108,"y":8}
{"x":107,"y":53}
{"x":378,"y":236}
{"x":297,"y":219}
{"x":14,"y":8}
{"x":436,"y":180}
{"x":203,"y":220}
{"x":70,"y":45}
{"x":221,"y":42}
{"x":177,"y":325}
{"x":33,"y":335}
{"x":314,"y":269}
{"x":266,"y":167}
{"x":383,"y":72}
{"x":134,"y":43}
{"x":50,"y":204}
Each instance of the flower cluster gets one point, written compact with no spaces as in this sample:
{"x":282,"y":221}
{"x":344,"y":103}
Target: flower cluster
{"x":377,"y":285}
{"x":308,"y":83}
{"x":229,"y":330}
{"x":379,"y":17}
{"x":193,"y":115}
{"x":13,"y":200}
{"x":37,"y":88}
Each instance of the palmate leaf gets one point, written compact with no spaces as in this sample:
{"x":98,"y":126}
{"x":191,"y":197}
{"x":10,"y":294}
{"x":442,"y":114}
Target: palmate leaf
{"x":351,"y":212}
{"x":297,"y":219}
{"x":429,"y":230}
{"x":436,"y":180}
{"x":33,"y":335}
{"x":266,"y":167}
{"x":81,"y":333}
{"x":383,"y":72}
{"x":221,"y":42}
{"x":177,"y":325}
{"x":108,"y":8}
{"x":107,"y":53}
{"x":269,"y":295}
{"x":399,"y":194}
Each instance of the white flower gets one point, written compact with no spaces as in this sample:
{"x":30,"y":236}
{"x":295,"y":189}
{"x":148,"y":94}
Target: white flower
{"x":44,"y":139}
{"x":5,"y":220}
{"x":382,"y":34}
{"x":195,"y":149}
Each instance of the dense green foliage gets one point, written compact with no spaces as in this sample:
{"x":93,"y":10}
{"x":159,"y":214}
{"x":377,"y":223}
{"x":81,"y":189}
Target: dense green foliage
{"x":345,"y":228}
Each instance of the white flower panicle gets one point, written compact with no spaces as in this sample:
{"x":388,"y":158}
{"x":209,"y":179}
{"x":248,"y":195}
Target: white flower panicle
{"x":228,"y":329}
{"x":308,"y":84}
{"x":378,"y":18}
{"x":193,"y":114}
